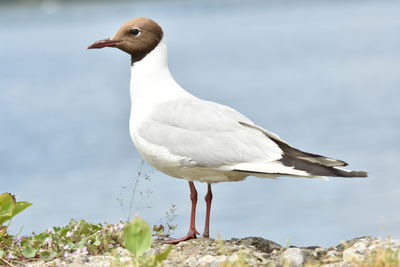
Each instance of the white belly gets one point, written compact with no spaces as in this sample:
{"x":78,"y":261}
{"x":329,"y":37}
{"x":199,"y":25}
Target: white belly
{"x":180,"y":167}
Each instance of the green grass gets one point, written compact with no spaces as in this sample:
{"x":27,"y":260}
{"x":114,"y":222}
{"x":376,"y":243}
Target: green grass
{"x":81,"y":237}
{"x":78,"y":237}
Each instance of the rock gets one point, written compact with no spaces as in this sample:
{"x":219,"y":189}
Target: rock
{"x":259,"y":243}
{"x":357,"y":252}
{"x":250,"y":251}
{"x":293,"y":257}
{"x":212,"y":261}
{"x":349,"y":243}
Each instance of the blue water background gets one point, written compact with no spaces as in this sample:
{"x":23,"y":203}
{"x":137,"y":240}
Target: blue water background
{"x":323,"y":75}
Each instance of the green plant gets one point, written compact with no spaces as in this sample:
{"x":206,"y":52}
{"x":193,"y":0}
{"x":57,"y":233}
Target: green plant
{"x":166,"y":228}
{"x":78,"y":237}
{"x":9,"y":207}
{"x":138,"y":239}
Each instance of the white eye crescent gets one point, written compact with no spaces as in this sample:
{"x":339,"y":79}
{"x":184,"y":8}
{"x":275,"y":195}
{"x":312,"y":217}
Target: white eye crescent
{"x":135,"y":31}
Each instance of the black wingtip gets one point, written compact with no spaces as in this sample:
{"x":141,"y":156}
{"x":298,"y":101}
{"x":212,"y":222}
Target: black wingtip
{"x":316,"y":169}
{"x":343,"y":162}
{"x":359,"y":174}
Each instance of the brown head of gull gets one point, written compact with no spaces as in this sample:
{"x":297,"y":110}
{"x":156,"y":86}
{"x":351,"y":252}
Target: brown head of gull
{"x":196,"y":140}
{"x":137,"y":37}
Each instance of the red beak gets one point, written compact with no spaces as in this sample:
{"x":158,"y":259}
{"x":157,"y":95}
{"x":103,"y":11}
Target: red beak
{"x":103,"y":43}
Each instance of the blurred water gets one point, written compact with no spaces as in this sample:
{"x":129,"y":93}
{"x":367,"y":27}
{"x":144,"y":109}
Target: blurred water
{"x":324,"y":76}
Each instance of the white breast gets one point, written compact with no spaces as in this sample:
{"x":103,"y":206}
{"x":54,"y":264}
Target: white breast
{"x":152,"y":84}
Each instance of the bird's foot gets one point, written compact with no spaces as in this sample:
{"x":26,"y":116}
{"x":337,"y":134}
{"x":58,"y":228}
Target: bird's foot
{"x":191,"y":235}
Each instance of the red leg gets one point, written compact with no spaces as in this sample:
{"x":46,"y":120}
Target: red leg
{"x":192,"y":227}
{"x":208,"y":199}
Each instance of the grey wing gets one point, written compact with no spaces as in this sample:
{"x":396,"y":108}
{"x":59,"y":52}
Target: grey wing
{"x":207,"y":133}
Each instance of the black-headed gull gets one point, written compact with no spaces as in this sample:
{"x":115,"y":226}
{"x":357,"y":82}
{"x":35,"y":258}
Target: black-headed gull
{"x":197,"y":140}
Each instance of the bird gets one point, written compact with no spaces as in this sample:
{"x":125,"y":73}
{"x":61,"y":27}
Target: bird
{"x":186,"y":137}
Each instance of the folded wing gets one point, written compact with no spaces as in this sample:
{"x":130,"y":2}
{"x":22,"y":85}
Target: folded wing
{"x":211,"y":135}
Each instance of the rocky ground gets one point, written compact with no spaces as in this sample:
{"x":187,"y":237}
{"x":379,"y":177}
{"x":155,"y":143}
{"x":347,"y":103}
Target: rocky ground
{"x":253,"y":251}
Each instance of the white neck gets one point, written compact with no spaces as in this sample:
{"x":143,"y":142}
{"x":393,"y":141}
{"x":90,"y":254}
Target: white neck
{"x":152,"y":83}
{"x":153,"y":63}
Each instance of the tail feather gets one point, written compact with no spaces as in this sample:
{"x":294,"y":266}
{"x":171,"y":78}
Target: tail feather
{"x":300,"y":163}
{"x":317,"y":169}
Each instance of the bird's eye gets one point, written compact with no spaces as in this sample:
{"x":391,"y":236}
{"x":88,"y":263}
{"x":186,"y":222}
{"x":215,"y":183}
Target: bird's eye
{"x":135,"y":31}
